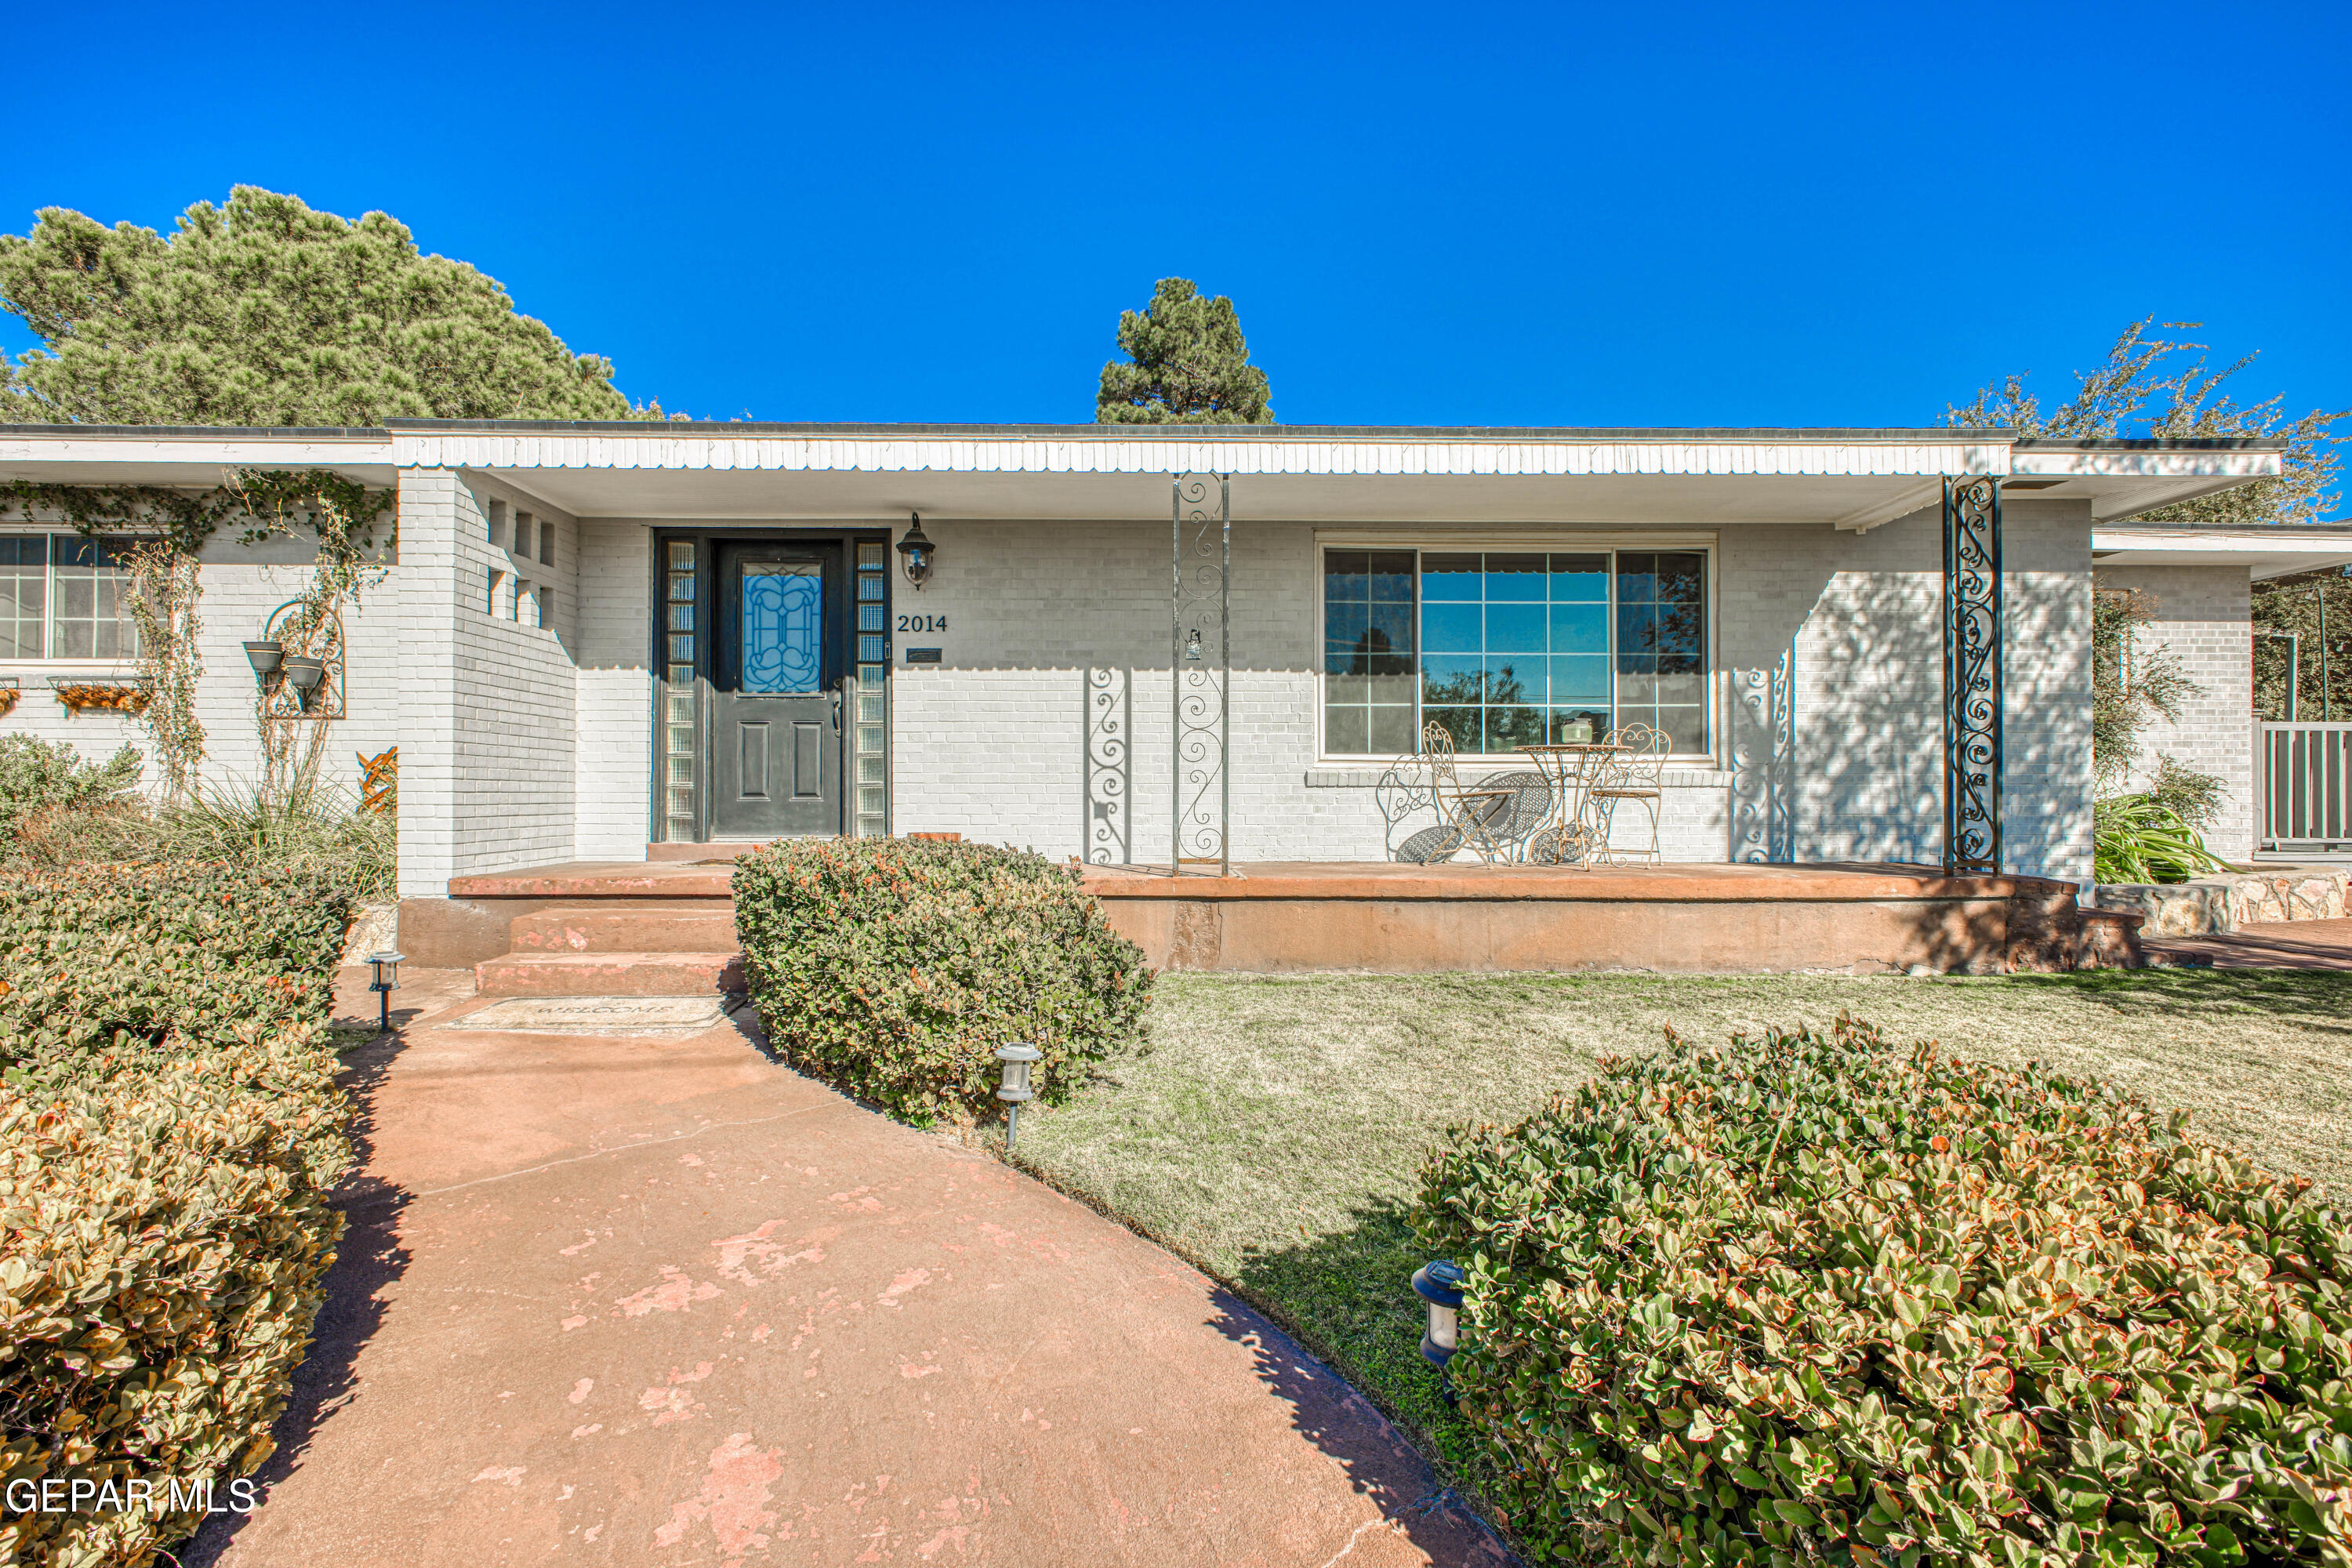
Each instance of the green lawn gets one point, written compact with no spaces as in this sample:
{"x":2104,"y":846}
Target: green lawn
{"x":1271,"y":1129}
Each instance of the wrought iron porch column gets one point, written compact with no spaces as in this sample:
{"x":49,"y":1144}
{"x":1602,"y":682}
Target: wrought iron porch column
{"x":1201,"y":673}
{"x":1972,"y":675}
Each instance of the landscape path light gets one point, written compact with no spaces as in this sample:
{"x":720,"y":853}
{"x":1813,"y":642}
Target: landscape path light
{"x":1439,"y":1284}
{"x":387,"y":981}
{"x":1015,"y":1089}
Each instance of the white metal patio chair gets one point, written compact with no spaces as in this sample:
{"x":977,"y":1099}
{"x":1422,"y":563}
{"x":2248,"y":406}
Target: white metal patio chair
{"x":1474,"y":818}
{"x":1635,"y":774}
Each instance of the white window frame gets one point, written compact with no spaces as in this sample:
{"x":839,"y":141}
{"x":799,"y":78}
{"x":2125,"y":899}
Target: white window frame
{"x":1422,"y":541}
{"x":50,"y":659}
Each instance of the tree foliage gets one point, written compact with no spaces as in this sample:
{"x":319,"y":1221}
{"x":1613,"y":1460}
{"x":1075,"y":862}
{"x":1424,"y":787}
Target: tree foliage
{"x":2321,"y":666}
{"x":265,"y":312}
{"x":1188,"y":364}
{"x":2156,"y":387}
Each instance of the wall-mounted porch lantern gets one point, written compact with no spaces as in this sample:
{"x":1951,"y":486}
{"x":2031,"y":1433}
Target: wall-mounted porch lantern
{"x":266,"y":657}
{"x":386,"y":982}
{"x":1439,"y":1284}
{"x":1014,"y":1089}
{"x":915,"y":551}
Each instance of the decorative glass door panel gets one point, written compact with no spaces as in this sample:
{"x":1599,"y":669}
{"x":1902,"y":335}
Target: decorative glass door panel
{"x":784,"y":626}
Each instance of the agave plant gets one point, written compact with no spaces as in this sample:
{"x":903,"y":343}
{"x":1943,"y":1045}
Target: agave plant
{"x":2137,"y":838}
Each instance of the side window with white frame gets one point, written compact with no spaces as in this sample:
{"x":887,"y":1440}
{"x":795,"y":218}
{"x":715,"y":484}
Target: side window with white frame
{"x":1511,"y":649}
{"x":63,"y":597}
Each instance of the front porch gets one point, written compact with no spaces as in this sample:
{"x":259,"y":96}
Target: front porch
{"x":664,"y":927}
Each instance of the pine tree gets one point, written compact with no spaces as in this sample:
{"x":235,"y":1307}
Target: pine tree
{"x":1188,"y":364}
{"x":265,"y":312}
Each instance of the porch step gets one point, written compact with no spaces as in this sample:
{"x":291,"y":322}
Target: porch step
{"x":619,"y":973}
{"x":642,"y":929}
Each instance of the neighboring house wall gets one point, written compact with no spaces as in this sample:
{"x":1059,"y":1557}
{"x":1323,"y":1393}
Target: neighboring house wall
{"x":2203,"y":618}
{"x":488,"y":705}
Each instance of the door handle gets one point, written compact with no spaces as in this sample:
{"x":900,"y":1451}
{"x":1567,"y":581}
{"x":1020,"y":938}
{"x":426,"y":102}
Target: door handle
{"x":837,"y":709}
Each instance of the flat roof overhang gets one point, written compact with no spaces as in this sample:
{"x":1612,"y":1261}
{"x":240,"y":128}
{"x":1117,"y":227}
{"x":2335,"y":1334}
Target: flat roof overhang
{"x":2275,"y":550}
{"x":1854,"y":479}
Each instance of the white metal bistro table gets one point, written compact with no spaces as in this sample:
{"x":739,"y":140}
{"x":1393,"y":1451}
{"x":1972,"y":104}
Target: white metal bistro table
{"x":1572,"y":768}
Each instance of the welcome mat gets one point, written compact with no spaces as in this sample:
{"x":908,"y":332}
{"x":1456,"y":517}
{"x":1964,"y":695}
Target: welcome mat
{"x":596,"y":1016}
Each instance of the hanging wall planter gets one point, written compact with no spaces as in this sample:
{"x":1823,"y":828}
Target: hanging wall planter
{"x":8,"y":695}
{"x":100,"y":693}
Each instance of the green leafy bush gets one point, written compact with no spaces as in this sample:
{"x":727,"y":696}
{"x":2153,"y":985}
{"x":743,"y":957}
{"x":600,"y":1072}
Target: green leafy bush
{"x":896,"y":967}
{"x":2139,"y":839}
{"x":170,"y":1128}
{"x":38,"y":775}
{"x":107,"y":965}
{"x":1807,"y":1300}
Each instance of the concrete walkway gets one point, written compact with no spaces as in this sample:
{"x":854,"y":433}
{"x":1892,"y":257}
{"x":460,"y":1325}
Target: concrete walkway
{"x":654,"y":1300}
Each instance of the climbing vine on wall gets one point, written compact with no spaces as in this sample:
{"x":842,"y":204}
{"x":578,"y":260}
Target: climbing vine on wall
{"x":171,"y":526}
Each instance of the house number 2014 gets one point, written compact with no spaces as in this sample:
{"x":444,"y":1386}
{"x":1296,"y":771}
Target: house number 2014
{"x":922,"y":622}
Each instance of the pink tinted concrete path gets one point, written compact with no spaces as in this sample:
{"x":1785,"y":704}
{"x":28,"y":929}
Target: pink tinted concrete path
{"x":661,"y":1301}
{"x":2275,"y":944}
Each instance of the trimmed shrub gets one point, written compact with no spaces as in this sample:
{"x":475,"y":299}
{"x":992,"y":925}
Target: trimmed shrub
{"x":170,"y":1128}
{"x":105,"y":964}
{"x":896,"y":967}
{"x":1808,"y":1300}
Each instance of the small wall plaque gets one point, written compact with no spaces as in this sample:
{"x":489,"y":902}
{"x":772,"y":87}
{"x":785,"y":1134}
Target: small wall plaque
{"x":922,"y":656}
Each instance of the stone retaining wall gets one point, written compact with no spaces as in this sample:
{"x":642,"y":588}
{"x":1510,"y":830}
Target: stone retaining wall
{"x":2207,"y":905}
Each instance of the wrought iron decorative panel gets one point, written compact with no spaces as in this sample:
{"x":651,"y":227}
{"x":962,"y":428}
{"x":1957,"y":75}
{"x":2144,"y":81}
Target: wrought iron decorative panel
{"x":1972,"y":672}
{"x":1764,"y":764}
{"x":1201,"y":672}
{"x":1109,"y":825}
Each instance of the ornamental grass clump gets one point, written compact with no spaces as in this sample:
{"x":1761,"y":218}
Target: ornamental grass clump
{"x":170,"y":1130}
{"x":896,"y":967}
{"x":1801,"y":1299}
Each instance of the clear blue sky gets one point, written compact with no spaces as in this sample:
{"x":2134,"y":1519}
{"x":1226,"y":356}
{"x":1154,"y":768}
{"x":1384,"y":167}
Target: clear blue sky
{"x":1619,"y":215}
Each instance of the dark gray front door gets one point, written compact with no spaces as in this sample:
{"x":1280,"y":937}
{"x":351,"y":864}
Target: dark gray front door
{"x":775,"y":707}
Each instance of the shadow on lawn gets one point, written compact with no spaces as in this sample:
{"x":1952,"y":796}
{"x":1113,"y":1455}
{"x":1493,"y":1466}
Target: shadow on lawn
{"x":368,"y":1259}
{"x":2317,"y":1000}
{"x":1347,"y":1300}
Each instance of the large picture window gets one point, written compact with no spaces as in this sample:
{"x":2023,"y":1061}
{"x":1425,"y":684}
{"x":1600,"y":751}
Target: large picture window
{"x":64,"y":597}
{"x":1507,"y":648}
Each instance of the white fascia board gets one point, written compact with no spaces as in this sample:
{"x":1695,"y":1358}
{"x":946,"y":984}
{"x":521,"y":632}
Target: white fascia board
{"x":1111,"y":455}
{"x":2266,"y":552}
{"x":2232,"y":467}
{"x":302,"y":451}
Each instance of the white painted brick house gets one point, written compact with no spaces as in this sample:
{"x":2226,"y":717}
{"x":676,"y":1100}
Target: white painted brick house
{"x":592,"y":640}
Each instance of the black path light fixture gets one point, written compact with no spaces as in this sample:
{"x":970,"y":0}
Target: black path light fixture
{"x":387,"y":981}
{"x":1015,"y":1089}
{"x":916,"y":551}
{"x":1439,"y":1284}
